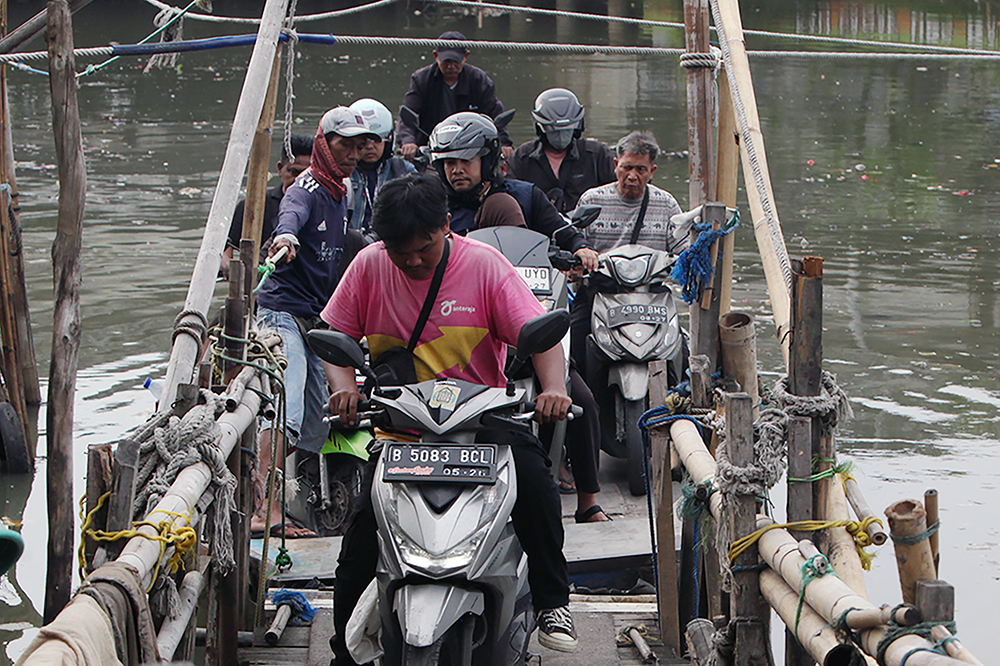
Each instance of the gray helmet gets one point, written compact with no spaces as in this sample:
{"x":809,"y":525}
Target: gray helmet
{"x":558,"y":117}
{"x":465,"y":136}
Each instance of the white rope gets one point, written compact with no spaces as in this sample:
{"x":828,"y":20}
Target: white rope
{"x":302,"y":19}
{"x":507,"y":46}
{"x":293,"y":39}
{"x":94,"y":52}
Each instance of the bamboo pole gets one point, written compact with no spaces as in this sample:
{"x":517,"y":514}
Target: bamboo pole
{"x":186,"y":348}
{"x":840,"y":548}
{"x":767,"y":227}
{"x":728,"y":166}
{"x":931,"y":507}
{"x":260,"y":158}
{"x":173,"y":629}
{"x":696,"y":459}
{"x":66,"y":316}
{"x":830,"y":597}
{"x":904,"y":616}
{"x":178,"y":505}
{"x":738,"y":342}
{"x":875,"y":530}
{"x":33,"y":28}
{"x":914,"y":561}
{"x":812,"y":631}
{"x":953,"y":646}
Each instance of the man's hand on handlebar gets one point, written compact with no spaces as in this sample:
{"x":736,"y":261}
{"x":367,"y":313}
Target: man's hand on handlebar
{"x":552,"y":406}
{"x":408,"y":150}
{"x":588,"y":258}
{"x":344,"y":403}
{"x":280,"y":243}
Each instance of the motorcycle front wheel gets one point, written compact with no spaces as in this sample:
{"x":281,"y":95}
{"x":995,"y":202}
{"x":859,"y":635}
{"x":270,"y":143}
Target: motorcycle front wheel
{"x":633,"y":442}
{"x":454,"y":648}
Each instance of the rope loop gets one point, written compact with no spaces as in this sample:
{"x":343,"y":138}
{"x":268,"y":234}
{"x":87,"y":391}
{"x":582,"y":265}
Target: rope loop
{"x":196,"y":329}
{"x":700,"y":60}
{"x":913,"y":539}
{"x":831,"y":406}
{"x":895,"y":631}
{"x":810,"y":571}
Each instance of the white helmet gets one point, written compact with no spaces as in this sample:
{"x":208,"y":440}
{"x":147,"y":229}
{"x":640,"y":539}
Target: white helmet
{"x":376,"y":115}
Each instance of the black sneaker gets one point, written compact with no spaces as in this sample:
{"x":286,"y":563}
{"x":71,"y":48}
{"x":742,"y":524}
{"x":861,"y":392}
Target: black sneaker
{"x":555,"y":629}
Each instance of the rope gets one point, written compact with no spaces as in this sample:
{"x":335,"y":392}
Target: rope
{"x":253,"y":21}
{"x":809,"y":572}
{"x":913,"y":539}
{"x":842,"y":468}
{"x":293,"y":39}
{"x":709,"y":60}
{"x":694,"y":267}
{"x":196,"y":329}
{"x":830,"y":406}
{"x":183,"y":539}
{"x":853,"y":527}
{"x":894,"y":631}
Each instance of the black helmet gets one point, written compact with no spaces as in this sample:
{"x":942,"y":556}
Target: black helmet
{"x":465,"y":136}
{"x":558,"y":117}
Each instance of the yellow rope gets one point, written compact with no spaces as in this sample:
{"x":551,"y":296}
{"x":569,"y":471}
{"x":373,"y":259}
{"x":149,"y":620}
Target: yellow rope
{"x":86,"y":522}
{"x":854,"y":528}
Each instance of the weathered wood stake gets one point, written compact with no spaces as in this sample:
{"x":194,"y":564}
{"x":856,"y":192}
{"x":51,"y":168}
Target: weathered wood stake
{"x":66,"y":317}
{"x":936,"y":600}
{"x":98,"y":483}
{"x":931,"y":507}
{"x":120,"y":504}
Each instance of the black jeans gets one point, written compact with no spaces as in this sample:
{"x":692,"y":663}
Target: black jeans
{"x":537,"y":523}
{"x":583,"y":436}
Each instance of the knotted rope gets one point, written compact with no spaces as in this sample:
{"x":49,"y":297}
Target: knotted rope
{"x":694,"y":268}
{"x":830,"y":406}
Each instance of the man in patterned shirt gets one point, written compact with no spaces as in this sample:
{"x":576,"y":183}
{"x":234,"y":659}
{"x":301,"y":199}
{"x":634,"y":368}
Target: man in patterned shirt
{"x":622,"y":203}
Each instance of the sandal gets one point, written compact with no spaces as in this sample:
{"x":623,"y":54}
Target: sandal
{"x":586,"y":515}
{"x":566,"y":486}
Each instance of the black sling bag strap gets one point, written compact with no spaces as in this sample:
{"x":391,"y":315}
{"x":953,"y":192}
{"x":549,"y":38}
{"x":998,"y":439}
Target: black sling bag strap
{"x":642,"y":216}
{"x":425,"y":313}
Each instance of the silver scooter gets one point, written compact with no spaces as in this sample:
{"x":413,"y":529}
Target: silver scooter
{"x":634,"y":321}
{"x":451,"y":577}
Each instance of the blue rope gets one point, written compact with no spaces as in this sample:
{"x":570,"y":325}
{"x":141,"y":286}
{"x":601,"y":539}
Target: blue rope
{"x":302,"y":612}
{"x":693,"y":268}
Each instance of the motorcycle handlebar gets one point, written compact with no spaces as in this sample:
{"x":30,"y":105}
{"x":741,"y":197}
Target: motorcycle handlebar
{"x":575,"y":411}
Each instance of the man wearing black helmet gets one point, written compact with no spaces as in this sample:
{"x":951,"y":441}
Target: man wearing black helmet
{"x":448,"y":86}
{"x":465,"y":152}
{"x":559,"y":161}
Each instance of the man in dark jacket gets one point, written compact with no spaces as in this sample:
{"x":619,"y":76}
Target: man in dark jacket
{"x":559,"y":161}
{"x":444,"y":88}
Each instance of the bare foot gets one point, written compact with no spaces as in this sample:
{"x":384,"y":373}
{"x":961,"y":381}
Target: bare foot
{"x":292,"y":531}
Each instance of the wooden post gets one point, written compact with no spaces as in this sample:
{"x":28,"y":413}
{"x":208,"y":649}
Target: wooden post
{"x":725,"y":183}
{"x":931,"y":507}
{"x":799,"y":501}
{"x":23,"y":340}
{"x":700,"y":106}
{"x":98,"y":483}
{"x":260,"y":158}
{"x":935,"y":601}
{"x":914,"y":561}
{"x":33,"y":28}
{"x":806,"y":369}
{"x":701,"y":381}
{"x":120,"y":504}
{"x":666,"y":552}
{"x":66,"y":316}
{"x":751,"y":637}
{"x":705,"y":311}
{"x":185,"y":350}
{"x":235,"y":322}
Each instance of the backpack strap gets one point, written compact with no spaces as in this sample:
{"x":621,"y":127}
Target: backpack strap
{"x":642,"y":216}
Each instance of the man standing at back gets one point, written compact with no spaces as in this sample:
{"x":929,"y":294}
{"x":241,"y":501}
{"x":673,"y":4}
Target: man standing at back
{"x":448,"y":86}
{"x":559,"y":161}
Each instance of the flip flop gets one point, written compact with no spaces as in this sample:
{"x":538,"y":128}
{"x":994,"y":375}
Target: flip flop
{"x":276,"y":531}
{"x":586,"y":515}
{"x":567,"y":487}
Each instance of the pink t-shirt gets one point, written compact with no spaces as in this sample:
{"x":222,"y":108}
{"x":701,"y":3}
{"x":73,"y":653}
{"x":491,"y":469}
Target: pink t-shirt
{"x":481,"y":305}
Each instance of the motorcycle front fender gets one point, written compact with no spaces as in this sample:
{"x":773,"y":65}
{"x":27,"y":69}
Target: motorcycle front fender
{"x":631,"y":378}
{"x":426,"y":612}
{"x":352,"y":442}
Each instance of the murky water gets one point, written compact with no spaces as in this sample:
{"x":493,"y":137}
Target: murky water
{"x":886,"y":169}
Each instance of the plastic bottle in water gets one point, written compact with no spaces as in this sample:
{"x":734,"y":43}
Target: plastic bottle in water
{"x":155,"y":386}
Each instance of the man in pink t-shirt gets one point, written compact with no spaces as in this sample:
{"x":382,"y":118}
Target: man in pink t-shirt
{"x":480,"y":308}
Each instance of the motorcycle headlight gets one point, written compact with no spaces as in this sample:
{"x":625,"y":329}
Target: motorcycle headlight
{"x":454,"y":558}
{"x":631,"y":271}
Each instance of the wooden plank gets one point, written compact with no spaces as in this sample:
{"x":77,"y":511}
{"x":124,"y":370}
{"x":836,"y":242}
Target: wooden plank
{"x":66,"y":326}
{"x":98,"y":483}
{"x":320,"y":653}
{"x":261,"y":656}
{"x":122,"y":493}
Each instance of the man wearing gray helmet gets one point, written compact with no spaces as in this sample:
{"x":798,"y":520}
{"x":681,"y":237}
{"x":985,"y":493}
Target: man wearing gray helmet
{"x":559,"y":161}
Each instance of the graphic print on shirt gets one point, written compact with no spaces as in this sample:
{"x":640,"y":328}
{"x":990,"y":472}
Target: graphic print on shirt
{"x":452,"y":349}
{"x":447,"y":307}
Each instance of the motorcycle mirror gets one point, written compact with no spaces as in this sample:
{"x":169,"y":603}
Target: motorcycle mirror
{"x":584,"y":216}
{"x":542,"y":333}
{"x":411,"y":119}
{"x":504,"y":119}
{"x":337,"y":348}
